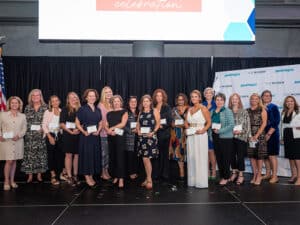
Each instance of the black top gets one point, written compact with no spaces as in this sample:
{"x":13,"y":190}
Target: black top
{"x":165,"y":113}
{"x":115,"y":117}
{"x":65,"y":116}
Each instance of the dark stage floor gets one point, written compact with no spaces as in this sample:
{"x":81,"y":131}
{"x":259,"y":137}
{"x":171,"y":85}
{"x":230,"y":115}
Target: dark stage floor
{"x":166,"y":204}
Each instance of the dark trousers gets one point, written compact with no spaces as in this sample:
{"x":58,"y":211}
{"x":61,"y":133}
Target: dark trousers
{"x":55,"y":154}
{"x":132,"y":162}
{"x":116,"y":146}
{"x":223,"y":149}
{"x":161,"y":166}
{"x":239,"y":152}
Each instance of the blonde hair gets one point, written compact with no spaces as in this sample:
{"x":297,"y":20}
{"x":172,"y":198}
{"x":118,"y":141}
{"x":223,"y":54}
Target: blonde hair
{"x":197,"y":92}
{"x":16,"y":98}
{"x":103,"y":97}
{"x":230,"y":106}
{"x":68,"y":105}
{"x":30,"y":96}
{"x":260,"y":104}
{"x":141,"y":108}
{"x":113,"y":98}
{"x":49,"y":103}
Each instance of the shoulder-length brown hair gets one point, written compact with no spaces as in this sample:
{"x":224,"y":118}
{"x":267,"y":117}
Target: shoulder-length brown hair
{"x":141,"y":108}
{"x":230,"y":106}
{"x":164,"y":95}
{"x":16,"y":98}
{"x":296,"y":105}
{"x":87,"y":91}
{"x":30,"y":96}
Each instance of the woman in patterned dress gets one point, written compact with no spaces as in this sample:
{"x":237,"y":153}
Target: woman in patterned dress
{"x":105,"y":106}
{"x":177,"y":148}
{"x":35,"y":151}
{"x":257,"y":150}
{"x":147,"y":125}
{"x":131,"y":138}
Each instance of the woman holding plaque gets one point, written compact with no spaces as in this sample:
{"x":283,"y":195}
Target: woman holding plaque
{"x":147,"y":126}
{"x":88,"y":121}
{"x":160,"y":100}
{"x":291,"y":136}
{"x":131,"y":137}
{"x":70,"y":137}
{"x":105,"y":106}
{"x":35,"y":150}
{"x":257,"y":149}
{"x":222,"y":127}
{"x":271,"y":136}
{"x":52,"y":132}
{"x":177,"y":148}
{"x":116,"y":121}
{"x":211,"y":106}
{"x":12,"y":131}
{"x":197,"y":123}
{"x":241,"y":132}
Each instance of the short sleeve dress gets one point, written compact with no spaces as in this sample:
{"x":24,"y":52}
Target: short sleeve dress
{"x":89,"y":146}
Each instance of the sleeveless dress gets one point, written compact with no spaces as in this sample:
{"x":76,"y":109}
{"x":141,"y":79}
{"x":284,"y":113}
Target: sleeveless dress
{"x":197,"y":152}
{"x":147,"y":147}
{"x":260,"y":151}
{"x":177,"y":148}
{"x":116,"y":145}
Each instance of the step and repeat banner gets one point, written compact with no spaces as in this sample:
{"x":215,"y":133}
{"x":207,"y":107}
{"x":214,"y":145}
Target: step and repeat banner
{"x":280,"y":80}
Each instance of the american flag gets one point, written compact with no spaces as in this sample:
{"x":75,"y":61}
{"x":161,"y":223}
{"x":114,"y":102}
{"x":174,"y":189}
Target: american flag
{"x":2,"y":87}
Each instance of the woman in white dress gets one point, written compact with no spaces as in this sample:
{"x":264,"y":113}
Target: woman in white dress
{"x":197,"y":123}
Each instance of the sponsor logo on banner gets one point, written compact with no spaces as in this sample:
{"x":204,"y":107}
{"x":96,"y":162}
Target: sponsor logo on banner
{"x":232,"y":75}
{"x":274,"y":82}
{"x":297,"y":82}
{"x":244,"y":96}
{"x":295,"y":94}
{"x":249,"y":85}
{"x":149,"y":5}
{"x":284,"y":70}
{"x":257,"y":72}
{"x":226,"y":85}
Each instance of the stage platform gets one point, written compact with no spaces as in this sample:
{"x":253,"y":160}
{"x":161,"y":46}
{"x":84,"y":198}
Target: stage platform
{"x":167,"y":204}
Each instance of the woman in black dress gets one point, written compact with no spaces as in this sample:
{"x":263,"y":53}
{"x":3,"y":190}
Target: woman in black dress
{"x":70,"y":137}
{"x":131,"y":137}
{"x":116,"y":121}
{"x":291,"y":138}
{"x":89,"y":122}
{"x":147,"y":126}
{"x":160,"y":100}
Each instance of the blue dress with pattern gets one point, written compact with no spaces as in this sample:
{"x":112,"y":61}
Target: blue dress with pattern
{"x":147,"y":147}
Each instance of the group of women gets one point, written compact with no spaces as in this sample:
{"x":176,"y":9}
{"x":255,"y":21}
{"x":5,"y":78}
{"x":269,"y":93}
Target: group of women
{"x":108,"y":138}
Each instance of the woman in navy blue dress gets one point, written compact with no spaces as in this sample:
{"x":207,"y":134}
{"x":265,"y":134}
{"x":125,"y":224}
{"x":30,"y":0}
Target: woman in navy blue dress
{"x":209,"y":102}
{"x":88,"y":121}
{"x":272,"y":136}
